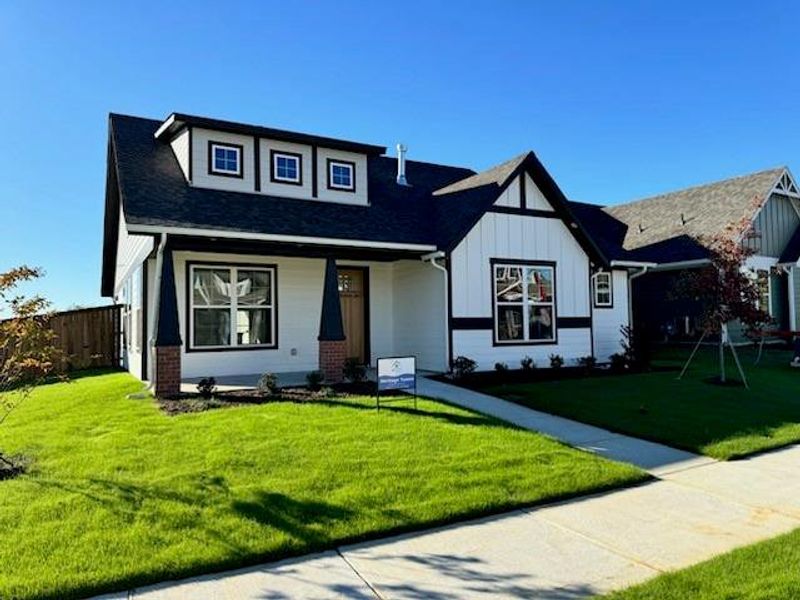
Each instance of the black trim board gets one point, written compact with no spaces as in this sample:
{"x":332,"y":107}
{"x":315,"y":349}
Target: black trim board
{"x":526,"y":212}
{"x":314,"y":172}
{"x":257,"y":162}
{"x":487,"y":324}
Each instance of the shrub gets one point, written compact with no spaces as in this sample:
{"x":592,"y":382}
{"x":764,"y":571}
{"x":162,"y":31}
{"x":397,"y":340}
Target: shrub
{"x":618,"y":362}
{"x":463,"y":366}
{"x":588,"y":363}
{"x":314,"y":381}
{"x":556,"y":361}
{"x":268,"y":384}
{"x":527,"y":364}
{"x":354,"y":371}
{"x":206,"y":387}
{"x":500,"y":367}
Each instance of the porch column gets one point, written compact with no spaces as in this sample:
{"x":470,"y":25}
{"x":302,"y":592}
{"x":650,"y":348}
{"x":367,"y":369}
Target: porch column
{"x":332,"y":348}
{"x":168,"y":336}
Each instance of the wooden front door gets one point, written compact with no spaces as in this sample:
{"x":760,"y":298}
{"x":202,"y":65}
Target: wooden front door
{"x":353,"y":297}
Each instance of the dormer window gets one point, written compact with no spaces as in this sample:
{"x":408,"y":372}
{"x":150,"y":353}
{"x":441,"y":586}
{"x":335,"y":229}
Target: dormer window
{"x":225,"y":159}
{"x":287,"y":167}
{"x":341,"y":175}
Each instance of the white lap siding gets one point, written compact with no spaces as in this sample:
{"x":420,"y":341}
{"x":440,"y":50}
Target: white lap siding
{"x":607,"y":321}
{"x":518,"y":237}
{"x":299,"y":303}
{"x":419,"y":324}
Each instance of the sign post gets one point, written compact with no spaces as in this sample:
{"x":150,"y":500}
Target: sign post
{"x":397,"y":373}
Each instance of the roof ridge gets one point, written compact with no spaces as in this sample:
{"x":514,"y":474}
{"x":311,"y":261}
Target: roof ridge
{"x":696,"y":187}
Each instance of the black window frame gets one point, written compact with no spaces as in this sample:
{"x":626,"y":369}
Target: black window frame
{"x":238,"y":147}
{"x":273,"y":167}
{"x":493,"y":264}
{"x":345,"y":163}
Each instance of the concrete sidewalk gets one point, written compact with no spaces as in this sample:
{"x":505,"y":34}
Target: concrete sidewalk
{"x":590,"y":545}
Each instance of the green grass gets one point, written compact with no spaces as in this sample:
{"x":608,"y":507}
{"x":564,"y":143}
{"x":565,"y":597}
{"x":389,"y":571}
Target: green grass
{"x":721,"y":421}
{"x":764,"y":571}
{"x":122,"y":495}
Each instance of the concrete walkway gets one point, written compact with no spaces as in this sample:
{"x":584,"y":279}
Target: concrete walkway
{"x":655,"y":458}
{"x":696,"y":509}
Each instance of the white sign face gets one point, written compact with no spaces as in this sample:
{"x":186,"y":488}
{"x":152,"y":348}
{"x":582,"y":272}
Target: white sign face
{"x":398,"y":373}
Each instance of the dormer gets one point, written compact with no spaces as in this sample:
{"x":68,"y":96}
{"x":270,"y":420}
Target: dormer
{"x":229,"y":156}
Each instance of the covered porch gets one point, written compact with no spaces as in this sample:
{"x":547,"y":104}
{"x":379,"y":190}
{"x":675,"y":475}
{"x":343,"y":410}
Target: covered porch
{"x":234,"y":310}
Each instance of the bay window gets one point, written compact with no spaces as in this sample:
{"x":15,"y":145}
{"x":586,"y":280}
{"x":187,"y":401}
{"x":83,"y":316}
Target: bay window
{"x":232,"y":307}
{"x":524,"y":303}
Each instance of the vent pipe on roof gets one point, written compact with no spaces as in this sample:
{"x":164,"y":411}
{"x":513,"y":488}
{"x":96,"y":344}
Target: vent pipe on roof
{"x":401,"y":164}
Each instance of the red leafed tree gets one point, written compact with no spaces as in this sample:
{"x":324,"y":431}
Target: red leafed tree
{"x":27,"y":351}
{"x":726,"y":290}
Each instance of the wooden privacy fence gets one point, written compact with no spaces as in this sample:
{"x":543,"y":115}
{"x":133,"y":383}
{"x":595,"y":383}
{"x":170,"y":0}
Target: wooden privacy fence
{"x":89,"y":337}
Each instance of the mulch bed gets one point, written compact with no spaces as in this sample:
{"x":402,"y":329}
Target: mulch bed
{"x":193,"y":402}
{"x":480,"y":380}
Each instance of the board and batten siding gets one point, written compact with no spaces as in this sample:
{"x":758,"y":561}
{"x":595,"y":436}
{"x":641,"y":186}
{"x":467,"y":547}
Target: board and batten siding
{"x":775,"y":224}
{"x":607,"y":321}
{"x":518,"y":237}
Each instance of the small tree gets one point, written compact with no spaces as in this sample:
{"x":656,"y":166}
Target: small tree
{"x":726,"y":291}
{"x":27,"y":351}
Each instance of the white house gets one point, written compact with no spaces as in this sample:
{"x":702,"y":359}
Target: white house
{"x":240,"y":249}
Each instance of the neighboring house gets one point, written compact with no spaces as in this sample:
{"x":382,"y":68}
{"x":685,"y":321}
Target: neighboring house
{"x":239,"y":249}
{"x":670,"y":231}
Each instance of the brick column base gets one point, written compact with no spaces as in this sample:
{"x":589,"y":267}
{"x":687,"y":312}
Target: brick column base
{"x":331,"y":359}
{"x":168,"y":371}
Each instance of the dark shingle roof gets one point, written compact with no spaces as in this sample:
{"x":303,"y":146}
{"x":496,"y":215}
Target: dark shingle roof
{"x":154,"y":192}
{"x":672,"y":227}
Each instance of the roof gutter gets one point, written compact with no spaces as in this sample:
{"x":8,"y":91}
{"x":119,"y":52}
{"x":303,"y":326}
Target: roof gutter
{"x":431,"y":258}
{"x":683,"y":264}
{"x":268,"y":237}
{"x":633,"y":263}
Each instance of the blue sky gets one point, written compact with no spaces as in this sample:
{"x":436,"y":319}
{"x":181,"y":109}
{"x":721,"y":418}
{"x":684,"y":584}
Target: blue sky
{"x":619,"y":100}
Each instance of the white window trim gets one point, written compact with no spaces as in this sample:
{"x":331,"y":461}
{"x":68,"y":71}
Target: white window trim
{"x":213,"y":166}
{"x":595,"y":291}
{"x":333,"y":185}
{"x":769,"y":290}
{"x":276,"y":177}
{"x":233,"y":272}
{"x":525,"y":303}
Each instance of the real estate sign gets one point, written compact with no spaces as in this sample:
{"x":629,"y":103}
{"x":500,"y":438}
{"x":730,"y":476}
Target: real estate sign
{"x":397,"y":373}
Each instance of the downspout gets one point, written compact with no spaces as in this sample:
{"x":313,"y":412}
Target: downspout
{"x":431,"y":258}
{"x":631,"y":277}
{"x":151,"y":342}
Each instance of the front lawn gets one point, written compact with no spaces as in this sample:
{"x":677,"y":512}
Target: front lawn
{"x":721,"y":421}
{"x":764,"y":571}
{"x":121,"y":494}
